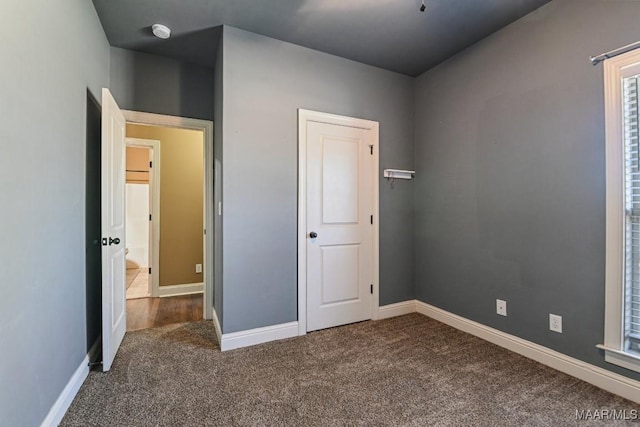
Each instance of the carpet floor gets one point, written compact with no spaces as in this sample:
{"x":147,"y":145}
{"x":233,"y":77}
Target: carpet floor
{"x":405,"y":371}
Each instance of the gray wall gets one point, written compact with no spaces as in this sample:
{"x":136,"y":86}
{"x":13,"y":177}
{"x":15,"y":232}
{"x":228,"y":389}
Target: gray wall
{"x":510,"y":194}
{"x":52,"y":52}
{"x":265,"y":82}
{"x":162,"y":85}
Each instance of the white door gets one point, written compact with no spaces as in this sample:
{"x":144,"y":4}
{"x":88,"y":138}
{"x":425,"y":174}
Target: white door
{"x":114,"y":309}
{"x":339,"y":226}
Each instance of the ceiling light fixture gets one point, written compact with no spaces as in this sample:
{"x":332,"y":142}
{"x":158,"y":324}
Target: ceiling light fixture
{"x":161,"y":31}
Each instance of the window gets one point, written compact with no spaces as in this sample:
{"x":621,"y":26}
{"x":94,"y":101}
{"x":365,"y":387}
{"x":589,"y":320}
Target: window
{"x":632,"y":214}
{"x":622,"y":305}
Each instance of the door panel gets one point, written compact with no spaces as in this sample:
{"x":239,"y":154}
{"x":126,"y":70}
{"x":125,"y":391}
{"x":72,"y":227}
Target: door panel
{"x":339,"y":205}
{"x":340,"y":167}
{"x":118,"y":307}
{"x":113,"y":229}
{"x":340,"y":273}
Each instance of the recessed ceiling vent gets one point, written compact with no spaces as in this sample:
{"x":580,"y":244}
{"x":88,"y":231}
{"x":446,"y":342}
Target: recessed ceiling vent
{"x":161,"y":31}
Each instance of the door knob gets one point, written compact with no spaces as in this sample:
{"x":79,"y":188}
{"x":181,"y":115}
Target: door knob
{"x":115,"y":241}
{"x":313,"y":234}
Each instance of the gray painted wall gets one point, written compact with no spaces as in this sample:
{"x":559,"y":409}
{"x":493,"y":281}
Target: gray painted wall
{"x":157,"y":84}
{"x":510,"y":194}
{"x":265,"y":82}
{"x":52,"y":52}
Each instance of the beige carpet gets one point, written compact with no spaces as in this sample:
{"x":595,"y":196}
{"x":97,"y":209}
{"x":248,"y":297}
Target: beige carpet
{"x":407,"y":371}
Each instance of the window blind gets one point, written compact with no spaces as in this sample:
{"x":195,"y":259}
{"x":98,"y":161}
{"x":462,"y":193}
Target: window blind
{"x":632,"y":212}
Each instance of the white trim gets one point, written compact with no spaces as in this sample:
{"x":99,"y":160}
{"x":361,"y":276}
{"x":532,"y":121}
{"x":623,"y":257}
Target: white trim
{"x":375,"y":209}
{"x":154,"y":182}
{"x":216,"y":325}
{"x":302,"y":224}
{"x":258,"y":336}
{"x":184,"y":289}
{"x":614,"y":209}
{"x":61,"y":405}
{"x":615,"y":70}
{"x":305,"y":116}
{"x":621,"y":358}
{"x":206,"y":127}
{"x":606,"y":380}
{"x":397,"y":309}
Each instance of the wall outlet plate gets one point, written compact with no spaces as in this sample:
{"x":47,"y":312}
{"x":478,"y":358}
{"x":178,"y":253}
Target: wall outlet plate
{"x":555,"y":323}
{"x":501,"y":307}
{"x":198,"y":268}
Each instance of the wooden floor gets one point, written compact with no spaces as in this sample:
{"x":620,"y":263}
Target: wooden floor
{"x":143,"y":313}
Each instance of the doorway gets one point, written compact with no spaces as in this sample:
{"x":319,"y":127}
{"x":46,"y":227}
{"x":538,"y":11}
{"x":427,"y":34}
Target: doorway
{"x":114,"y":122}
{"x":337,"y":220}
{"x":142,"y":196}
{"x":206,"y":127}
{"x":165,"y":239}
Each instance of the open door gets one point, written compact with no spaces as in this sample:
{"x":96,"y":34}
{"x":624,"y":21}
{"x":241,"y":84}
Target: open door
{"x":114,"y":309}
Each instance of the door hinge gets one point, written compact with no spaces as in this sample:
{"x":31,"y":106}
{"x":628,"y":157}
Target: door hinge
{"x":205,"y":231}
{"x":149,"y":217}
{"x":149,"y":270}
{"x":150,"y":164}
{"x":371,"y":219}
{"x":371,"y":148}
{"x":371,"y":289}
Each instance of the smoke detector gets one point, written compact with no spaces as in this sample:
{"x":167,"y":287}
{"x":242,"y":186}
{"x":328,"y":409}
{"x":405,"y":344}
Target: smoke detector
{"x":161,"y":31}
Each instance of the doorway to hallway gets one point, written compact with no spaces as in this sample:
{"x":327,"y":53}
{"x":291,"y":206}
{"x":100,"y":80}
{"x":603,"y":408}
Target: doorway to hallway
{"x":165,"y":225}
{"x":142,"y":190}
{"x":112,"y":190}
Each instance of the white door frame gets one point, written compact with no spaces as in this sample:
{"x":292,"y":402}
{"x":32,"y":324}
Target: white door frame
{"x":154,"y":191}
{"x":305,"y":116}
{"x":206,"y":126}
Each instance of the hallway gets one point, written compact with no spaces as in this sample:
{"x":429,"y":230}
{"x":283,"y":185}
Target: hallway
{"x":144,"y":313}
{"x":137,"y":284}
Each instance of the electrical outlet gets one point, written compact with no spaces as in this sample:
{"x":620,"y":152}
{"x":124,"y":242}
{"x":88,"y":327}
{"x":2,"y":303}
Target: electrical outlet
{"x":198,"y":268}
{"x":555,"y":323}
{"x":501,"y":307}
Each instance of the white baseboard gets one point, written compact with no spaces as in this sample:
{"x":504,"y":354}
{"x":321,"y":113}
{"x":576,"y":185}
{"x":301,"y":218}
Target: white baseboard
{"x":216,"y":324}
{"x":258,"y":336}
{"x":289,"y":330}
{"x":186,"y":289}
{"x":397,"y":309}
{"x":59,"y":408}
{"x":607,"y":380}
